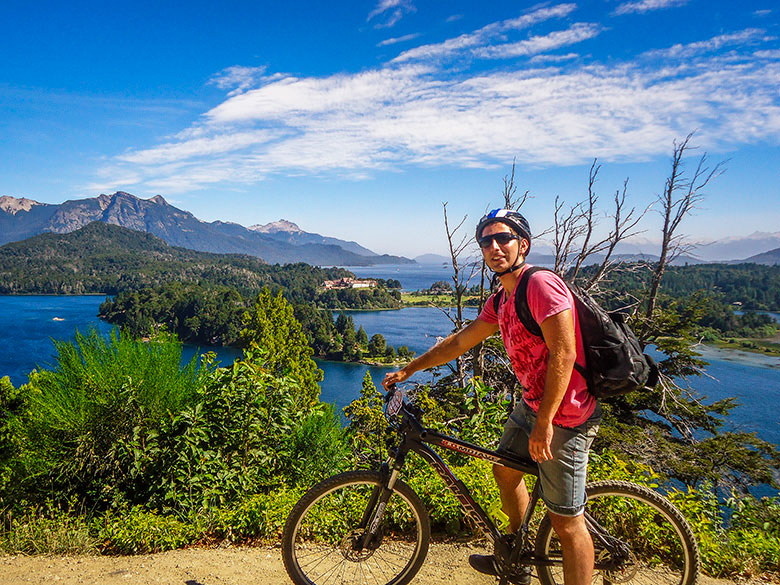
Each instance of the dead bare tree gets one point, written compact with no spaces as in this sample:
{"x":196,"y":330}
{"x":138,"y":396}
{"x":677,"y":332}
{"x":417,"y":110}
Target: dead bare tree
{"x":458,"y":243}
{"x":574,"y":231}
{"x":567,"y":229}
{"x":624,"y":224}
{"x":511,"y":199}
{"x":682,"y":193}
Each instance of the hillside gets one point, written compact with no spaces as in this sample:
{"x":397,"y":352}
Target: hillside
{"x":24,"y":218}
{"x":104,"y":258}
{"x":772,"y":258}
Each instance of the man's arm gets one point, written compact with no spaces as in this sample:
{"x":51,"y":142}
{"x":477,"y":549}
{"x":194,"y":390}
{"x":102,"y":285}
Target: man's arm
{"x":447,"y":350}
{"x":559,"y":336}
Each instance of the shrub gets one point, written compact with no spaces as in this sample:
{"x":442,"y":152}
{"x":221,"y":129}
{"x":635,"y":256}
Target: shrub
{"x":139,"y":530}
{"x":318,"y":447}
{"x":236,"y":439}
{"x":260,"y":516}
{"x":78,"y":416}
{"x":49,"y":530}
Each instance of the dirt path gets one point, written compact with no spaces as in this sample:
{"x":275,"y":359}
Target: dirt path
{"x":446,"y":563}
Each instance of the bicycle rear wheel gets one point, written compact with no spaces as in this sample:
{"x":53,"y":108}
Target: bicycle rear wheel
{"x":321,"y":544}
{"x":659,"y":548}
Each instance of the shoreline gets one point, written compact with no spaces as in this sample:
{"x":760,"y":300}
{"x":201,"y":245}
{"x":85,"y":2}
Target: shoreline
{"x":742,"y":356}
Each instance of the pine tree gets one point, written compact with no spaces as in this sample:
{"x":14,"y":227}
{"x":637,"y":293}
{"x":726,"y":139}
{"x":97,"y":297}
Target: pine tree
{"x":271,"y":326}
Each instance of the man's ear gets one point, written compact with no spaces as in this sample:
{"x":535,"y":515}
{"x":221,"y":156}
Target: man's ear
{"x":524,"y":245}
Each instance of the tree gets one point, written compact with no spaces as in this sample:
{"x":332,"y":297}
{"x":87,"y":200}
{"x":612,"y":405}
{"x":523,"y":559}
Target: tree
{"x":441,"y":286}
{"x":362,"y":337}
{"x":681,"y":194}
{"x":271,"y":326}
{"x":377,"y":346}
{"x":349,"y":349}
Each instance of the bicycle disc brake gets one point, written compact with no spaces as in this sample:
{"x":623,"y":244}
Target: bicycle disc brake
{"x":352,"y":549}
{"x":624,"y":570}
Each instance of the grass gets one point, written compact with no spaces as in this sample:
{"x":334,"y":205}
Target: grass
{"x":416,"y":299}
{"x":762,"y":346}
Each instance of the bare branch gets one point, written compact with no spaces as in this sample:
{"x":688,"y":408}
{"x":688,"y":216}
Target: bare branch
{"x":510,"y":191}
{"x":680,"y":197}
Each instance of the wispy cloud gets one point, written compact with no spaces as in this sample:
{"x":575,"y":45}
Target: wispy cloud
{"x":390,"y":11}
{"x":424,"y":113}
{"x":577,"y":33}
{"x":397,"y":40}
{"x":237,"y":78}
{"x":740,"y":38}
{"x":643,"y":6}
{"x":481,"y":37}
{"x":553,"y":58}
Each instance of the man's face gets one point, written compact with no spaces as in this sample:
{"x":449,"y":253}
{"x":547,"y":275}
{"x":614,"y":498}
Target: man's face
{"x":500,"y":257}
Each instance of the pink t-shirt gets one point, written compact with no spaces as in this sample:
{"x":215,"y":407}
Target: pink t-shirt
{"x":547,"y":295}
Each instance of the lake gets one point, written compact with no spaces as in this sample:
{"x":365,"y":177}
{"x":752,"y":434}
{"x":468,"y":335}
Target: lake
{"x":29,"y":323}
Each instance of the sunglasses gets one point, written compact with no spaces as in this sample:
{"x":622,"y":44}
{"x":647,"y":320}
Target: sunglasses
{"x":501,"y":238}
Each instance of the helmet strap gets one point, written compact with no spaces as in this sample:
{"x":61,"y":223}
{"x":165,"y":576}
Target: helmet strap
{"x":516,"y":266}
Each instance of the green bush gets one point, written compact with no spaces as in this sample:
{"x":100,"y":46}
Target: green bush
{"x":48,"y":530}
{"x":260,"y":516}
{"x":138,"y":530}
{"x":77,"y":418}
{"x":236,"y":439}
{"x":317,"y":446}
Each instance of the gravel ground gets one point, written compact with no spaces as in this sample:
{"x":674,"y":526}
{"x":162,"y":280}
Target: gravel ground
{"x":446,"y":563}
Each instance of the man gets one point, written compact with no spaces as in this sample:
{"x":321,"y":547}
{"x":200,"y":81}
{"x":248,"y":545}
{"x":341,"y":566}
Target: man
{"x":557,"y":419}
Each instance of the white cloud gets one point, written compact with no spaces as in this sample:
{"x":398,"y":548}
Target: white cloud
{"x":238,"y":78}
{"x":421,"y":114}
{"x":554,"y":58}
{"x":577,"y":33}
{"x":481,"y":37}
{"x":198,"y":146}
{"x":680,"y":51}
{"x":643,"y":6}
{"x":397,"y":40}
{"x":392,"y":11}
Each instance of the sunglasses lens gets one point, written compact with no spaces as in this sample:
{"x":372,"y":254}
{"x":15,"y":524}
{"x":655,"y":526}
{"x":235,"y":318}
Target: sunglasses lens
{"x":501,"y":239}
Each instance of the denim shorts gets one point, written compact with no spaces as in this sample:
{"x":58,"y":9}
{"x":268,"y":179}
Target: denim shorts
{"x":563,"y":477}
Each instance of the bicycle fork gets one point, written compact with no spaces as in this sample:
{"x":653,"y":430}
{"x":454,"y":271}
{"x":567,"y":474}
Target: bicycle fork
{"x":371,"y":521}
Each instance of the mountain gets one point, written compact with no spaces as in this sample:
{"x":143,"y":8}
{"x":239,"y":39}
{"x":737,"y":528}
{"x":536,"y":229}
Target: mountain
{"x":432,"y":259}
{"x":105,"y":258}
{"x":771,"y":258}
{"x":287,"y":231}
{"x":734,"y":248}
{"x":23,"y":218}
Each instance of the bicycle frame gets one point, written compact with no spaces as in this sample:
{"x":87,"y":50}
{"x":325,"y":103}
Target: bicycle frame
{"x":417,"y":439}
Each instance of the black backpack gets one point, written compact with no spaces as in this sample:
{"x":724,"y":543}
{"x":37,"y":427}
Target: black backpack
{"x":615,"y":363}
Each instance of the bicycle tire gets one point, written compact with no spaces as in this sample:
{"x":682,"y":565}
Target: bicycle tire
{"x":663,"y":547}
{"x":316,"y":543}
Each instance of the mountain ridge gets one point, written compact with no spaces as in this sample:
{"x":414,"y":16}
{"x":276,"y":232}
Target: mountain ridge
{"x":24,"y":218}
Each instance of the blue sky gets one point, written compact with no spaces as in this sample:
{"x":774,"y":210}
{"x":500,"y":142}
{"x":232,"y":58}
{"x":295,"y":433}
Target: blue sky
{"x":358,"y":119}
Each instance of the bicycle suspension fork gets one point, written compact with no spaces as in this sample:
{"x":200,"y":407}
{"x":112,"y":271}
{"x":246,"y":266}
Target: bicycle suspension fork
{"x":380,"y":496}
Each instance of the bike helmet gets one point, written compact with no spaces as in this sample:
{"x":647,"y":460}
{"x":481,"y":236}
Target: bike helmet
{"x":510,"y":217}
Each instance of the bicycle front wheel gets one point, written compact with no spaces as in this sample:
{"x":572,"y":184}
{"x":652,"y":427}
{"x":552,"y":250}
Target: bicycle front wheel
{"x":323,"y":542}
{"x":641,"y":538}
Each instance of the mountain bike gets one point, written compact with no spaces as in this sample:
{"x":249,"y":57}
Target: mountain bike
{"x":371,"y":527}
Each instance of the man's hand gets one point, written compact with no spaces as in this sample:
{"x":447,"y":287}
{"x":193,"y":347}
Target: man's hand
{"x":394,"y":378}
{"x":539,"y":442}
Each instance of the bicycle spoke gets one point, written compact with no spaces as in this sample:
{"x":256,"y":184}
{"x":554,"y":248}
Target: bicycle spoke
{"x":321,"y":544}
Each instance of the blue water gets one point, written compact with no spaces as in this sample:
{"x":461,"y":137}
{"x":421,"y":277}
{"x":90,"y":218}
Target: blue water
{"x":27,"y":325}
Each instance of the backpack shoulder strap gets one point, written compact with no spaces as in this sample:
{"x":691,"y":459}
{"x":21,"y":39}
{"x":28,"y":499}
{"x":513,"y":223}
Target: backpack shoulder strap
{"x":497,"y":299}
{"x":524,"y":312}
{"x":521,"y":301}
